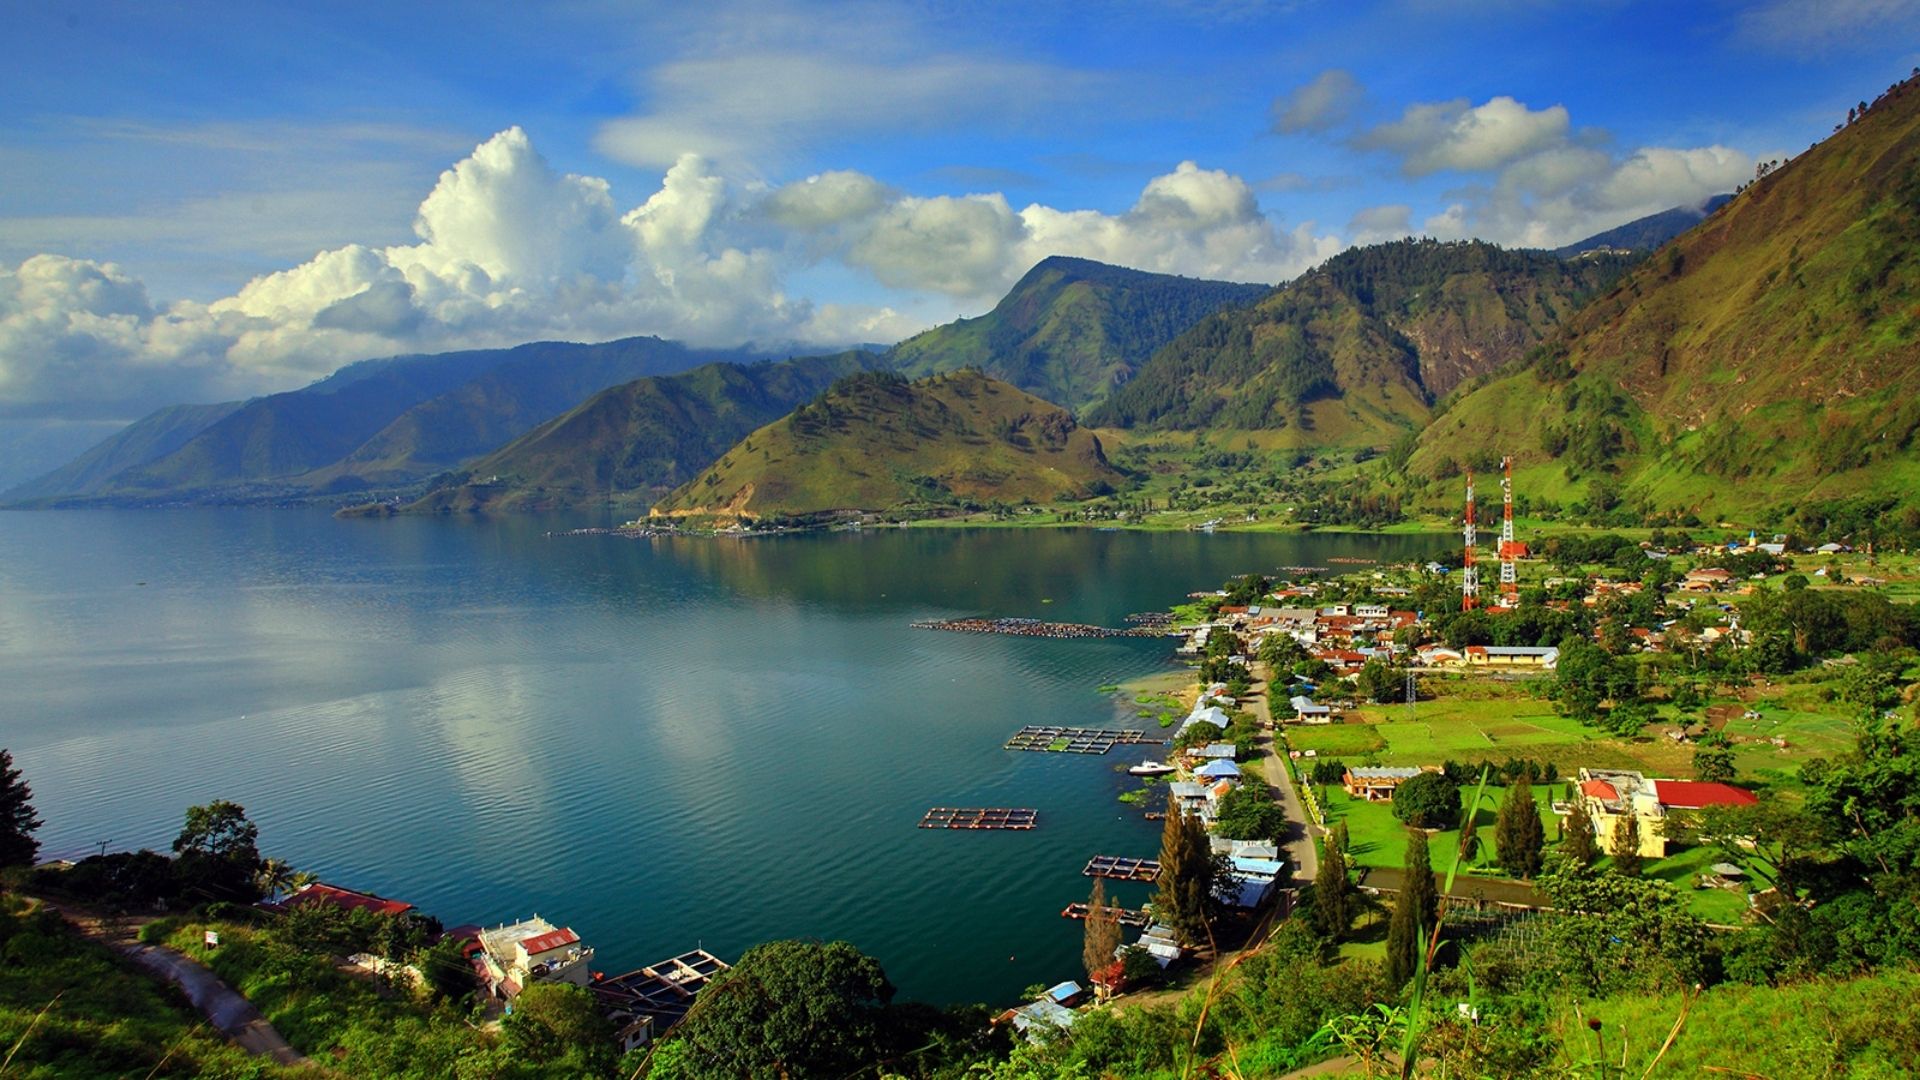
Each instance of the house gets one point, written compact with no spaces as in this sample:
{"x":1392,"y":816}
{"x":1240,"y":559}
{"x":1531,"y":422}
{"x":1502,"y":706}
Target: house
{"x":1706,"y":579}
{"x":1040,"y":1018}
{"x":517,"y":955}
{"x":1376,"y":783}
{"x":1542,"y":657}
{"x":322,"y":894}
{"x":1218,"y":769}
{"x":1220,"y":751}
{"x":643,"y":1004}
{"x":1370,"y":611}
{"x":1252,"y":880}
{"x":1607,"y":795}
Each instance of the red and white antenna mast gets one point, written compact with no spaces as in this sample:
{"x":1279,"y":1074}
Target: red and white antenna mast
{"x":1509,"y":573}
{"x":1469,"y":573}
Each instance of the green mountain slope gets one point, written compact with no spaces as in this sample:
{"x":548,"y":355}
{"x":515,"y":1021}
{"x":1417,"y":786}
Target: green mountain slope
{"x":1355,"y":351}
{"x":640,"y":439}
{"x":147,"y":439}
{"x":1072,"y":329}
{"x":1766,"y":357}
{"x":878,"y":442}
{"x":387,"y":421}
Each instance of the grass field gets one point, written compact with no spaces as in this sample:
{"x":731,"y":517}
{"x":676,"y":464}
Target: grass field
{"x":1377,"y":838}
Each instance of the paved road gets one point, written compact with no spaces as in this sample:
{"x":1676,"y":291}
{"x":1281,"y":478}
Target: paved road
{"x":1302,"y":854}
{"x":232,"y":1014}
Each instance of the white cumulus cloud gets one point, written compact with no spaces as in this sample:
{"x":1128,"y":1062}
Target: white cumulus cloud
{"x":1458,"y":136}
{"x":508,"y":249}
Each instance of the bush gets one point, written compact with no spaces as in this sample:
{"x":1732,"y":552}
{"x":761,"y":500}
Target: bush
{"x":1428,"y":801}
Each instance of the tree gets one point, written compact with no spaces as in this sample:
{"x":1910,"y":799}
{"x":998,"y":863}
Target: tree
{"x":788,"y":1008}
{"x":1578,"y":843}
{"x":1332,"y":889}
{"x":558,"y":1025}
{"x":1517,"y":831}
{"x":1102,"y":932}
{"x":1249,"y":813}
{"x":1381,"y":682}
{"x":1713,"y":760}
{"x":218,"y":851}
{"x":448,"y":975}
{"x":18,"y":822}
{"x":1184,"y":897}
{"x":1413,"y":912}
{"x":1626,"y":844}
{"x":1428,"y":801}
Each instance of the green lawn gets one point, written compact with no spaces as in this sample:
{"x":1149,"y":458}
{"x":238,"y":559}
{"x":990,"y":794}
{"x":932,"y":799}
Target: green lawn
{"x":1377,"y":838}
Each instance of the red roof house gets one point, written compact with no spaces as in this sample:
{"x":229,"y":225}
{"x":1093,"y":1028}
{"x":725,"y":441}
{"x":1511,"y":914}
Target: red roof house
{"x":1694,"y":794}
{"x":348,"y":899}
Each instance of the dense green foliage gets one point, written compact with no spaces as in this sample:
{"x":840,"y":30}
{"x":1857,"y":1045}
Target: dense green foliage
{"x":1519,"y":837}
{"x":1428,"y":801}
{"x":1414,"y":910}
{"x":1183,"y":894}
{"x":1333,"y":892}
{"x":18,"y":822}
{"x":70,"y":1008}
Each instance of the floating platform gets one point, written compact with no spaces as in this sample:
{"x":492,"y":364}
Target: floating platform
{"x":1033,"y":628}
{"x":1072,"y":740}
{"x":1119,"y":868}
{"x":1124,"y":916}
{"x":660,"y":993}
{"x":951,"y":817}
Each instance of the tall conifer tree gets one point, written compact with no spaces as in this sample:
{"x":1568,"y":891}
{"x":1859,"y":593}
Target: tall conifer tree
{"x":1518,"y":832}
{"x":1184,"y":896}
{"x":1413,"y":912}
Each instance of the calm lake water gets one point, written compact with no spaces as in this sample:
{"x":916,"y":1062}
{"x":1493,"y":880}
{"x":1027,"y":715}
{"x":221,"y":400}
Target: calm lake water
{"x":662,"y":743}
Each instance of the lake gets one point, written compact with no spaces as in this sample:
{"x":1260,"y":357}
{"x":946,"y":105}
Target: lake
{"x":662,"y":743}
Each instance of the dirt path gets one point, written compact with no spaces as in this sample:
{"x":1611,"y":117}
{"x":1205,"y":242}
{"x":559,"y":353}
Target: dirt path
{"x":233,"y":1014}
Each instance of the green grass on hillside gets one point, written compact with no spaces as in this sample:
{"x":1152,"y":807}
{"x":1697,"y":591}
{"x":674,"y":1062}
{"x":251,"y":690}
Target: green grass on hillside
{"x":70,"y":1008}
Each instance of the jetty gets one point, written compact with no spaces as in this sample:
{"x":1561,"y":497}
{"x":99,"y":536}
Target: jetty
{"x":1033,"y":628}
{"x":1123,"y":916}
{"x":1045,"y":739}
{"x":1120,"y":868}
{"x":968,"y":817}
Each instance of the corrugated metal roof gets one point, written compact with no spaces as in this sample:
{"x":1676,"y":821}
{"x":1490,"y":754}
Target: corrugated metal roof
{"x":548,"y":942}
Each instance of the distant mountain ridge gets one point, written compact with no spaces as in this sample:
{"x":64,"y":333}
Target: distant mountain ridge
{"x":633,"y":442}
{"x":878,"y":442}
{"x":1072,"y":329}
{"x":1647,"y":233}
{"x":380,"y":422}
{"x":1357,"y":350}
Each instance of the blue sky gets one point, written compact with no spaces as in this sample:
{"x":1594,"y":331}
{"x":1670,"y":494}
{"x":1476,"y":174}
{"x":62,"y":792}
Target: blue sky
{"x":209,"y":200}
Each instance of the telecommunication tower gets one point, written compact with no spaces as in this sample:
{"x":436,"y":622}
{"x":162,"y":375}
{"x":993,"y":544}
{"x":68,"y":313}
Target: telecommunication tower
{"x":1509,"y":551}
{"x":1469,"y":573}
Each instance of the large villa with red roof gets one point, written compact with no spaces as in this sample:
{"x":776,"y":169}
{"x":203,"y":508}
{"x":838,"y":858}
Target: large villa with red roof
{"x":1608,"y":795}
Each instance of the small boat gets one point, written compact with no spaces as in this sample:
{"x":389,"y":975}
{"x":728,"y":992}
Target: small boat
{"x":1151,"y":768}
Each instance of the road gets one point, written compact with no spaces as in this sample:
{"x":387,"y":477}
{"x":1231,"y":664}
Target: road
{"x":233,"y":1014}
{"x":1302,"y":854}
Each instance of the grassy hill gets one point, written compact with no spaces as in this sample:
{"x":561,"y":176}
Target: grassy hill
{"x":1356,"y":351}
{"x":1072,"y":329}
{"x":1766,"y":357}
{"x":876,"y":441}
{"x":638,"y":440}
